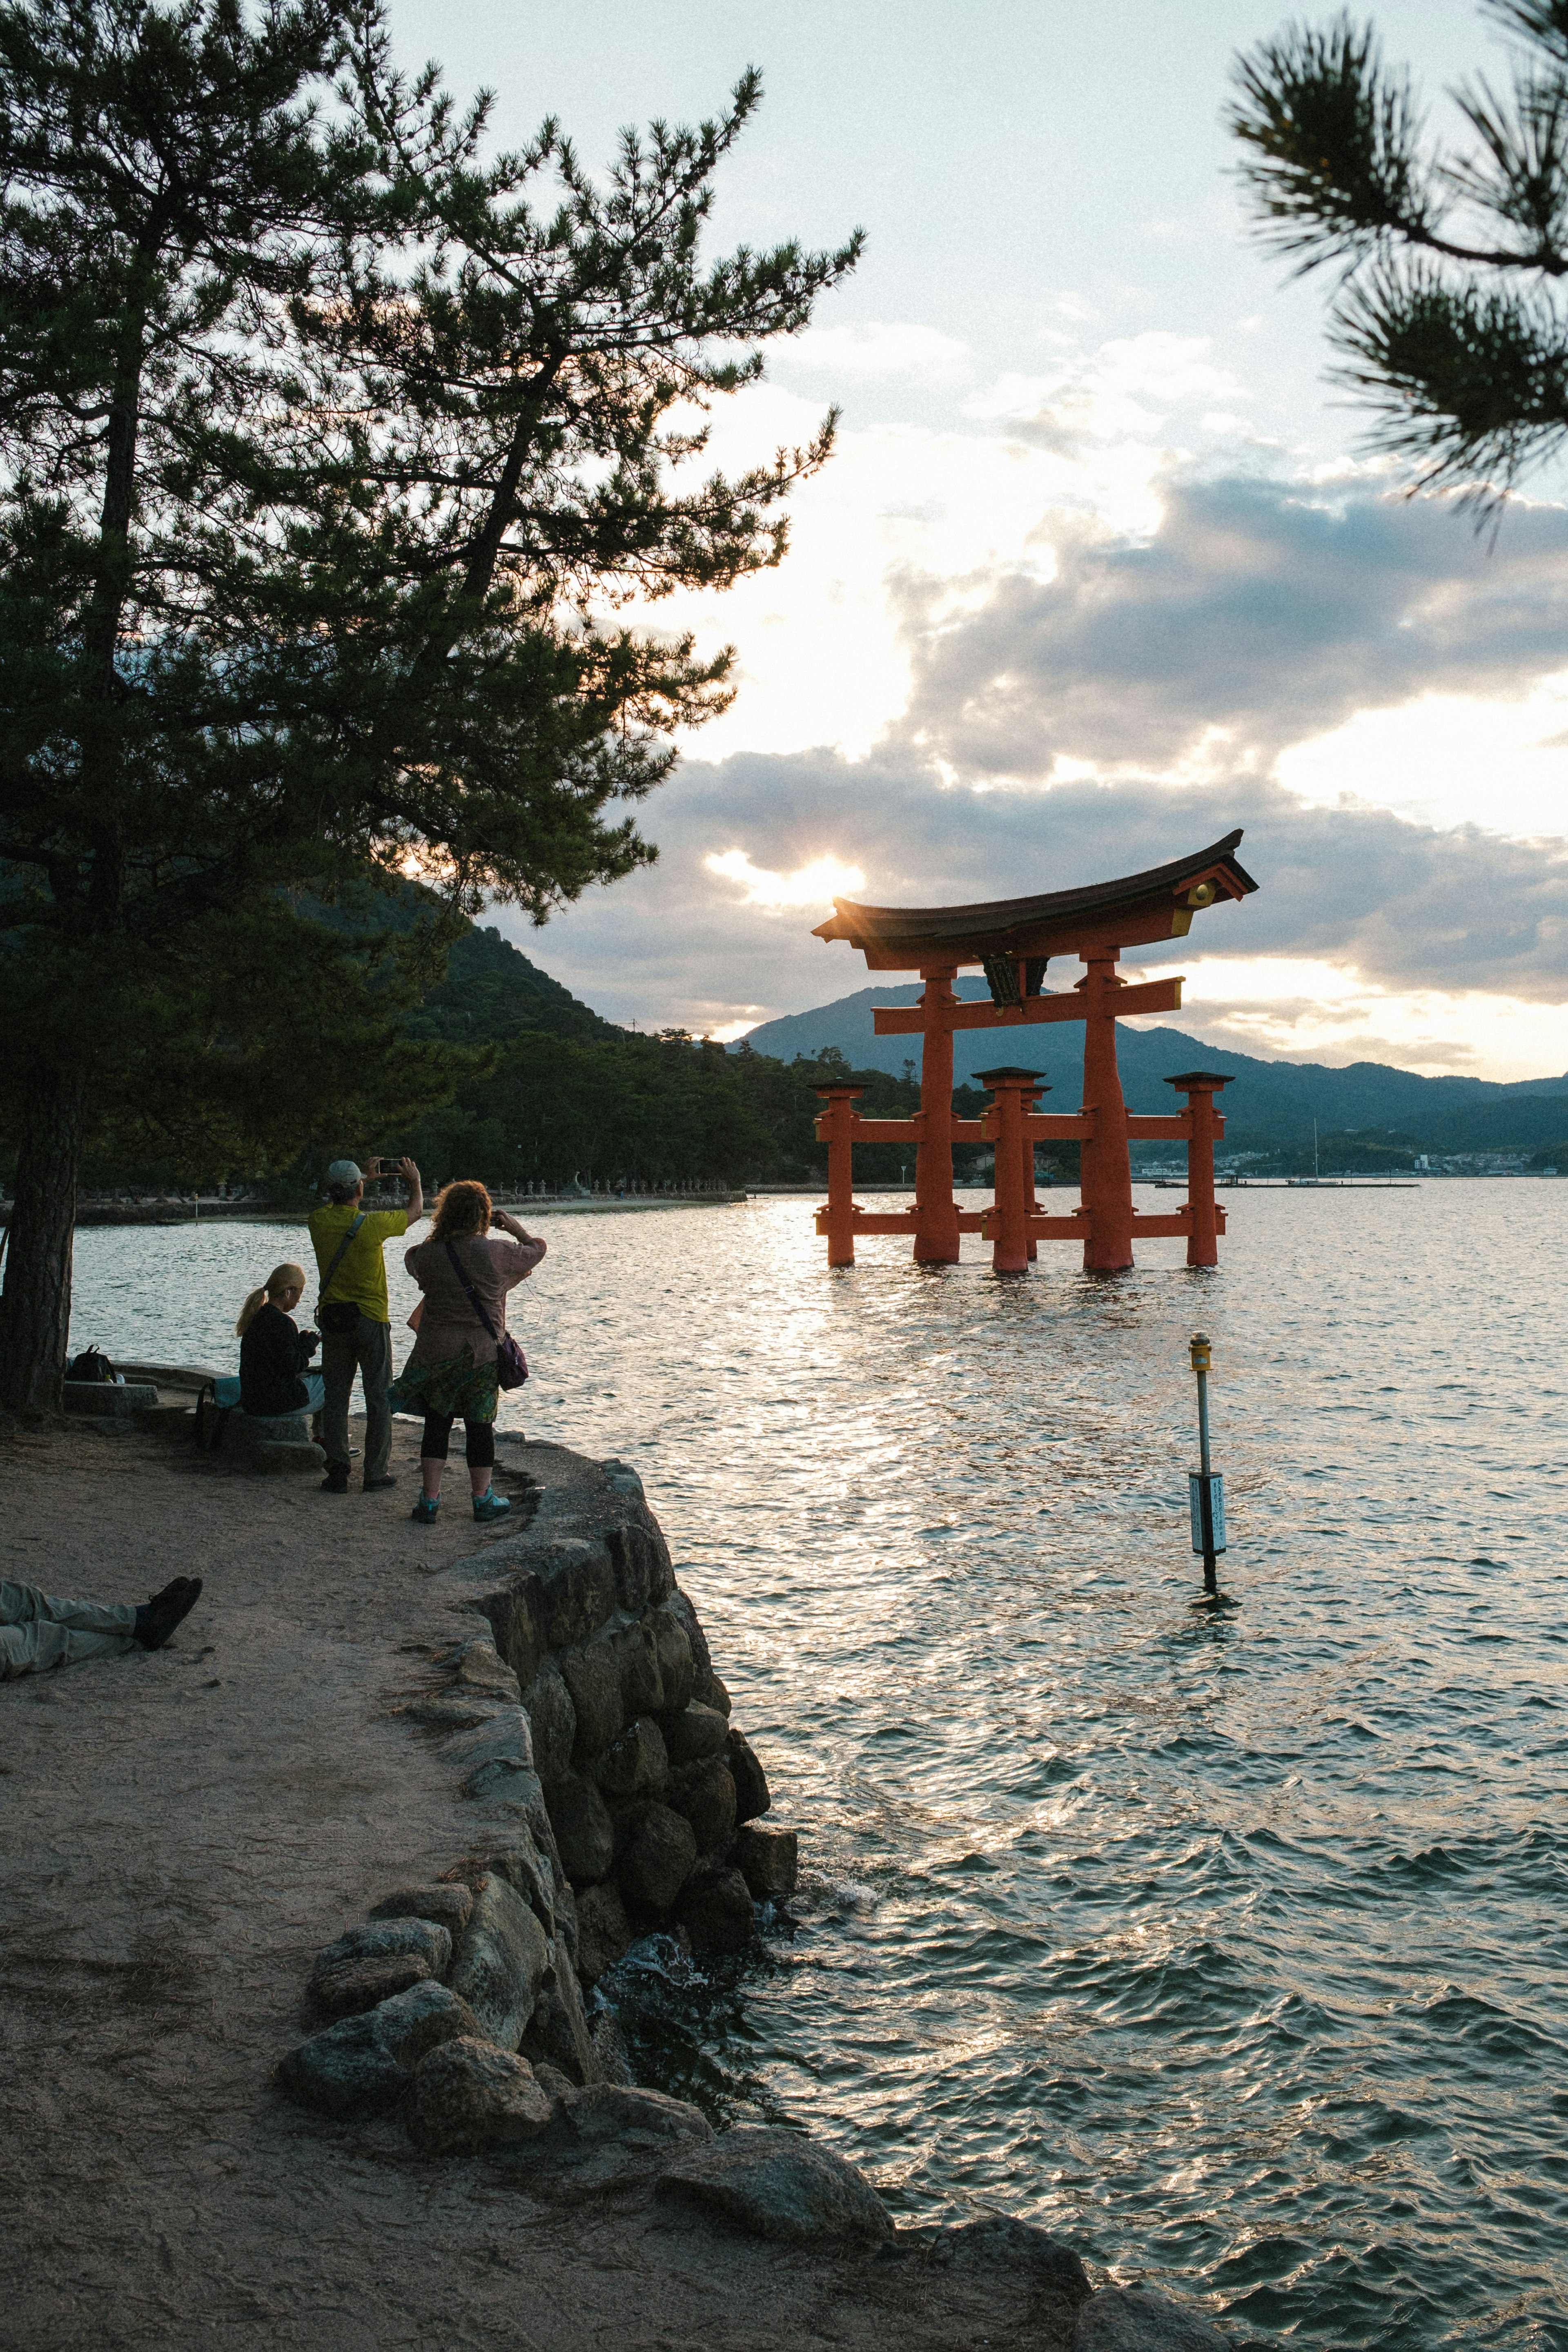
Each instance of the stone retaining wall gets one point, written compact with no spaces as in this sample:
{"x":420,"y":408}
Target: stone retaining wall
{"x":578,"y":1706}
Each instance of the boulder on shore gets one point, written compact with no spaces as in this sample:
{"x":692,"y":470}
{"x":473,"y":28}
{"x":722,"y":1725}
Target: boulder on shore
{"x":751,"y":1793}
{"x":1117,"y":2319}
{"x":716,"y":1910}
{"x":469,"y":2095}
{"x":778,"y":2185}
{"x":501,"y":1961}
{"x":657,"y":1859}
{"x":768,"y":1859}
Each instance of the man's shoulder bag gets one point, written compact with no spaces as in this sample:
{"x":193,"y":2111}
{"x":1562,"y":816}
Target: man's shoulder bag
{"x":512,"y":1364}
{"x":342,"y":1317}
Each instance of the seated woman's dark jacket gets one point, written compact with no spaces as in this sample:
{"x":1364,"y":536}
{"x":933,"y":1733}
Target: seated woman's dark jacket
{"x":272,"y":1355}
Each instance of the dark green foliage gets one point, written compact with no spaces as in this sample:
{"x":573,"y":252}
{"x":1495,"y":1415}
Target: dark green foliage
{"x":564,"y":1108}
{"x":1359,"y":1152}
{"x":1448,"y":321}
{"x":329,"y":450}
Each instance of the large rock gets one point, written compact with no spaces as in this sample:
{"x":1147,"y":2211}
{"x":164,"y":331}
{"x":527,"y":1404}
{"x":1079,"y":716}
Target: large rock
{"x":359,"y":1985}
{"x":634,"y":1765}
{"x":477,"y":1665}
{"x":682,"y":1610}
{"x":385,"y":1939}
{"x":705,"y":1795}
{"x":578,"y":1580}
{"x":1117,"y":2319}
{"x":584,"y":1830}
{"x":695,"y":1734}
{"x":997,"y":2243}
{"x":604,"y":1931}
{"x":446,"y":1905}
{"x":672,"y":1650}
{"x":656,"y":1859}
{"x":768,"y":1859}
{"x":557,"y":2033}
{"x":641,"y":1560}
{"x":345,"y":2070}
{"x":467,"y":2096}
{"x":554,"y":1721}
{"x":716,"y":1910}
{"x":777,"y":2185}
{"x":636,"y":1662}
{"x":360,"y":2067}
{"x":610,"y":2111}
{"x":593,"y":1677}
{"x":499,"y":1961}
{"x":752,"y":1794}
{"x":519,"y":1861}
{"x":421,"y":2020}
{"x":516,"y":1610}
{"x":707,"y":1690}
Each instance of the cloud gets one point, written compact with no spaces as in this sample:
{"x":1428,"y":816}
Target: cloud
{"x":1256,"y":616}
{"x":1402,"y":907}
{"x":879,"y":348}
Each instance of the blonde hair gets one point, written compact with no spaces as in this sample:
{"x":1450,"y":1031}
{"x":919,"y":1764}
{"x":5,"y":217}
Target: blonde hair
{"x":461,"y":1208}
{"x":282,"y":1277}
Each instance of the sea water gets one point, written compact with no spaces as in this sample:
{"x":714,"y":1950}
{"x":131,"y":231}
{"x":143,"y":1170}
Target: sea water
{"x":1229,"y":1942}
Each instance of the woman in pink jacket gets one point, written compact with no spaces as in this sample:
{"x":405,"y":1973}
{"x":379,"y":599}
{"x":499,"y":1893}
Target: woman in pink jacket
{"x":464,"y":1272}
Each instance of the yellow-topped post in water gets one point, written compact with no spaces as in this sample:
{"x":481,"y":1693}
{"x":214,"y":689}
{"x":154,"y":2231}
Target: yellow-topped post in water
{"x":1206,"y":1487}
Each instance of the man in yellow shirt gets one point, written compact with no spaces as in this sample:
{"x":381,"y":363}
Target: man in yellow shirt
{"x":354,"y":1316}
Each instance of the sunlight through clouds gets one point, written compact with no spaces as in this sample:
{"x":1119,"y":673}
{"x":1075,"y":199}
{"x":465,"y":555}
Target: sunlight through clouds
{"x":816,"y":885}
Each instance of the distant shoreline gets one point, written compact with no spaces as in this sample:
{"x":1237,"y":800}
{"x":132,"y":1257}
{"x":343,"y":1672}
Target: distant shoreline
{"x":177,"y":1212}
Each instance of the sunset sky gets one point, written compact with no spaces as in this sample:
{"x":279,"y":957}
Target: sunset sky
{"x":1099,"y":570}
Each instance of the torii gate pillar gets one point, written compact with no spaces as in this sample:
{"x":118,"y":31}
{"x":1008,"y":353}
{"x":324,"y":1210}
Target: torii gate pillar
{"x":936,"y":1211}
{"x":1106,"y":1162}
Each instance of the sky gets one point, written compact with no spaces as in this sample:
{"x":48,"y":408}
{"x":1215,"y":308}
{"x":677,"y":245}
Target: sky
{"x":1101,"y":568}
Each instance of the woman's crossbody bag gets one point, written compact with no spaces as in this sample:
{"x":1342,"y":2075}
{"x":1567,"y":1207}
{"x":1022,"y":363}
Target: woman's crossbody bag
{"x":343,"y":1316}
{"x":512,"y":1364}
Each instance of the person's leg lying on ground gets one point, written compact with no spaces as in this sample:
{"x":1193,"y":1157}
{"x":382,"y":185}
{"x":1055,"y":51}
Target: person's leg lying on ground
{"x":38,"y":1631}
{"x":375,"y":1343}
{"x":481,"y":1454}
{"x":432,"y":1448}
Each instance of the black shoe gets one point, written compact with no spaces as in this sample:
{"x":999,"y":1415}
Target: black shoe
{"x":157,"y":1618}
{"x":336,"y":1481}
{"x":375,"y":1485}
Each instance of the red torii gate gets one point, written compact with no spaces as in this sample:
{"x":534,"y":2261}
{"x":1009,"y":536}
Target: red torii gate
{"x":1012,"y":939}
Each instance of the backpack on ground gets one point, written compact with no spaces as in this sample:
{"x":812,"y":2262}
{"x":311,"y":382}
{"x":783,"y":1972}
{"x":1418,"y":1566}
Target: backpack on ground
{"x":91,"y":1365}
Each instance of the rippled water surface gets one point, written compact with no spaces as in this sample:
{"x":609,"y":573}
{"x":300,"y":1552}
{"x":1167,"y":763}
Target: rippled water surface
{"x":1231,"y":1942}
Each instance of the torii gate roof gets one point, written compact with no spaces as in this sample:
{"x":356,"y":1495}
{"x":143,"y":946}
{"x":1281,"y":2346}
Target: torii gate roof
{"x":1129,"y":912}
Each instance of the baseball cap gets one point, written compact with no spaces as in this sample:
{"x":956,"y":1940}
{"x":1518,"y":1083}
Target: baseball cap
{"x":344,"y":1171}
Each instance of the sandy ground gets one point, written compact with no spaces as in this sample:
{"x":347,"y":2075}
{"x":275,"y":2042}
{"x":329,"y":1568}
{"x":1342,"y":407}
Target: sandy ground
{"x":182,"y":1831}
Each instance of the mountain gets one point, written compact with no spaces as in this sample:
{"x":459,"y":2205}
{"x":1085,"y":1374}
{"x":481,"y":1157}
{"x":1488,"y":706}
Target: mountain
{"x":1269,"y":1106}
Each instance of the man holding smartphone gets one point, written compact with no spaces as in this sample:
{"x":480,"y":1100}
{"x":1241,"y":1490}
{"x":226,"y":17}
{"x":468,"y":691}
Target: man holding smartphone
{"x":353,"y":1316}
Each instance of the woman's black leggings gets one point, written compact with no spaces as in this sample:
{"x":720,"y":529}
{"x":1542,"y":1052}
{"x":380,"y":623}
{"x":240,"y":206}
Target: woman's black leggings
{"x":480,"y":1436}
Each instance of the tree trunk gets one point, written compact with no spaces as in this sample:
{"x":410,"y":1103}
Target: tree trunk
{"x":34,"y":1310}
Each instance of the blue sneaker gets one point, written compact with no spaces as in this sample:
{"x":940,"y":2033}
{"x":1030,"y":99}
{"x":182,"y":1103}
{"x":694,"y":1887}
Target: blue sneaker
{"x":425,"y":1510}
{"x":491,"y":1505}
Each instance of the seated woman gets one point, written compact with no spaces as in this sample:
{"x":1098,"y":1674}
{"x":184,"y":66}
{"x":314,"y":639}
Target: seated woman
{"x":274,"y":1351}
{"x":464,"y":1272}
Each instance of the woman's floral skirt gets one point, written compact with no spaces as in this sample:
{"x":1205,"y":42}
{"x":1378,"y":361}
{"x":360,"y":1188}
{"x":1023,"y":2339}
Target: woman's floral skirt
{"x":455,"y":1386}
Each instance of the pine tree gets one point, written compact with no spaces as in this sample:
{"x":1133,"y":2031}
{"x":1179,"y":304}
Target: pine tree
{"x":326,"y":457}
{"x":1448,"y":316}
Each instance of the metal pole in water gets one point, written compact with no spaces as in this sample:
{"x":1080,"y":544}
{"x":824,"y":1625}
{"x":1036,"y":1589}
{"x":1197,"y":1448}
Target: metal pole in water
{"x":1206,"y":1486}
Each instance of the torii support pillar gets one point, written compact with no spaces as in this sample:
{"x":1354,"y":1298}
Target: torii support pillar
{"x":936,"y":1211}
{"x":836,"y":1126}
{"x":1205,"y":1127}
{"x":1105,"y":1162}
{"x":1003,"y":1126}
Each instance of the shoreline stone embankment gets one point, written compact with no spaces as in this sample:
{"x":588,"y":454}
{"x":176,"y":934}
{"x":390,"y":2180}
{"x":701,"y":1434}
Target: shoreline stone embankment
{"x":590,"y":1717}
{"x":353,"y":1798}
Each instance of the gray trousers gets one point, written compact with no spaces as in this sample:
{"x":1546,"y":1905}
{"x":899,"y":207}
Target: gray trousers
{"x":37,"y":1632}
{"x":368,"y":1350}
